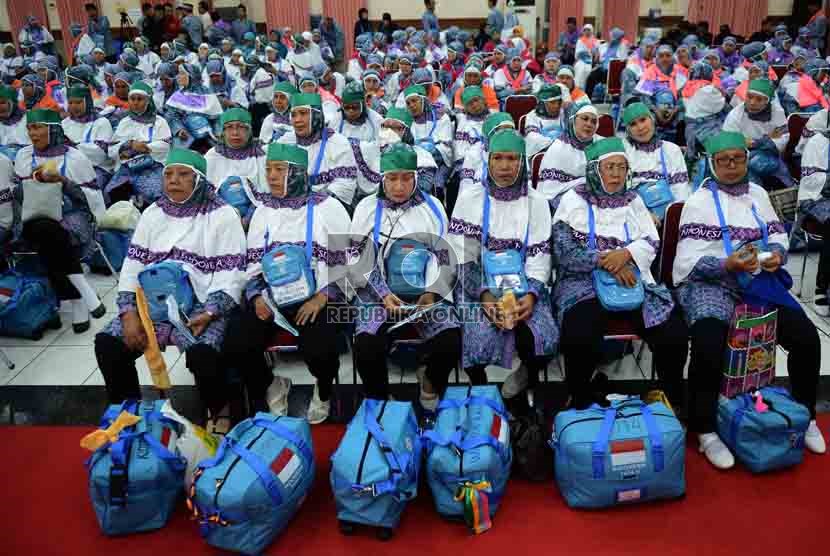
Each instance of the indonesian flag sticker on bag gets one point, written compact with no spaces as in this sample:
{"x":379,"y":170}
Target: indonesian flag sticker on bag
{"x":625,"y":453}
{"x":500,"y":430}
{"x":286,"y":466}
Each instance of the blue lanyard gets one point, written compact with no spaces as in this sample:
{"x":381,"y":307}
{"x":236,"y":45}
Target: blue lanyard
{"x":63,"y":166}
{"x":89,"y":132}
{"x":319,"y":160}
{"x":150,"y":135}
{"x":663,"y":164}
{"x":592,"y":234}
{"x":379,"y":213}
{"x":725,"y":235}
{"x":485,"y":226}
{"x":309,"y":233}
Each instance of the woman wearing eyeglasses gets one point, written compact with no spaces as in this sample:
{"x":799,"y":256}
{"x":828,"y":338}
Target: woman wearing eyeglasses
{"x":713,"y":270}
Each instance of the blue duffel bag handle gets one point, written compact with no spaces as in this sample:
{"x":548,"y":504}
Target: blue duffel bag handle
{"x":600,"y":447}
{"x":469,"y":442}
{"x":400,"y":464}
{"x":266,"y":476}
{"x":747,"y":407}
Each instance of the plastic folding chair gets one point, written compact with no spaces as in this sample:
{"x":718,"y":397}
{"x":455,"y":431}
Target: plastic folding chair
{"x":780,"y":71}
{"x":535,"y":167}
{"x":519,"y":105}
{"x":810,"y":230}
{"x":606,"y":126}
{"x":522,"y":123}
{"x":613,"y":83}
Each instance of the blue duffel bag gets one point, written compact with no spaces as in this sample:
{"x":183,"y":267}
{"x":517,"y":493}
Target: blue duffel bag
{"x":135,"y":482}
{"x":628,"y":452}
{"x":764,"y":441}
{"x":27,"y":305}
{"x":247,"y":493}
{"x":374,"y":472}
{"x":115,"y":244}
{"x":469,"y":454}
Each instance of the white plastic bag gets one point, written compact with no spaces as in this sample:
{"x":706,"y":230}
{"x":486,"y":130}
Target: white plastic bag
{"x":122,"y":216}
{"x":195,"y":444}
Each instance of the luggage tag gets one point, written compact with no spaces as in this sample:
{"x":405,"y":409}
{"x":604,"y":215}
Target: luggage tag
{"x":174,"y":315}
{"x":417,"y":312}
{"x":279,"y":319}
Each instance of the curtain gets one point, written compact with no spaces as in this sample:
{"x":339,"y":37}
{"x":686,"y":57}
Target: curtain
{"x":624,"y":14}
{"x":19,"y":10}
{"x":71,"y":11}
{"x":560,"y":11}
{"x":344,"y":13}
{"x":287,"y":13}
{"x":743,"y":16}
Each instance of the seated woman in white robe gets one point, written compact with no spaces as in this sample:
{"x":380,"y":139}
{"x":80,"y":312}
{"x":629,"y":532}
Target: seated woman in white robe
{"x":473,"y":167}
{"x":713,"y":271}
{"x":544,"y":124}
{"x":230,"y":93}
{"x":147,"y":59}
{"x":282,"y":219}
{"x":468,"y":131}
{"x":814,"y":202}
{"x":278,"y":122}
{"x":236,"y":165}
{"x":400,"y":81}
{"x":354,"y":119}
{"x":703,"y":103}
{"x":60,"y":228}
{"x":332,"y":165}
{"x":165,"y":86}
{"x":500,"y":215}
{"x":512,"y":78}
{"x":307,"y":83}
{"x":395,"y":128}
{"x":601,"y":226}
{"x":433,"y":131}
{"x":139,"y":147}
{"x":13,"y":135}
{"x":89,"y":133}
{"x":549,"y":69}
{"x":192,"y":111}
{"x":763,"y":122}
{"x":397,"y":217}
{"x":375,"y":94}
{"x":192,"y":230}
{"x":563,"y":165}
{"x":657,"y":167}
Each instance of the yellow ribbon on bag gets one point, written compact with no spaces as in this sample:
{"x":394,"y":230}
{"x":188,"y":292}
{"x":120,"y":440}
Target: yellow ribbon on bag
{"x":155,"y":362}
{"x":96,"y":439}
{"x":657,"y":396}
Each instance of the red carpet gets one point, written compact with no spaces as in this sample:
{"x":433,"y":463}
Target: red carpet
{"x":48,"y":513}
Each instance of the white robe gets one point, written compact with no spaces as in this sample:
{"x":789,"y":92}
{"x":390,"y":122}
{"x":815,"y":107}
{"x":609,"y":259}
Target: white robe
{"x":6,"y":195}
{"x":368,"y":131}
{"x":261,"y":87}
{"x":442,"y":134}
{"x":86,"y":137}
{"x":148,"y":62}
{"x":220,"y":168}
{"x":468,"y":134}
{"x":131,"y":130}
{"x":535,"y":128}
{"x":816,"y":124}
{"x":266,"y":132}
{"x":706,"y":101}
{"x":14,"y":134}
{"x":338,"y":169}
{"x":563,"y":166}
{"x":738,"y":120}
{"x":814,"y":168}
{"x":645,"y":167}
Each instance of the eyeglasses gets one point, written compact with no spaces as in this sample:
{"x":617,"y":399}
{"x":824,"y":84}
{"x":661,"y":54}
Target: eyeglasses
{"x":620,"y":168}
{"x":731,"y":160}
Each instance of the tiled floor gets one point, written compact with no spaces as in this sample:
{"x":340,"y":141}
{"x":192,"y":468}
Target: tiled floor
{"x":64,"y":358}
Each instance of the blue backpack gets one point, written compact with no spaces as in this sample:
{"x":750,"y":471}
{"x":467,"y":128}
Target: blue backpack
{"x":628,"y":452}
{"x":164,"y":279}
{"x":27,"y":305}
{"x":115,"y":244}
{"x":233,"y":192}
{"x":469,"y":452}
{"x":374,"y":472}
{"x":135,"y":482}
{"x":764,"y":441}
{"x":245,"y":495}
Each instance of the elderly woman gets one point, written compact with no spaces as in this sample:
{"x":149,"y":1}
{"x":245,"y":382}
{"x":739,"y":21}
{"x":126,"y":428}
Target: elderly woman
{"x":549,"y":69}
{"x":512,"y":78}
{"x":761,"y":120}
{"x":657,"y":168}
{"x":139,"y":146}
{"x":56,"y":202}
{"x":604,"y":234}
{"x":13,"y":134}
{"x":332,"y":165}
{"x":469,"y":124}
{"x":472,"y":77}
{"x":90,"y":133}
{"x":34,"y":94}
{"x":357,"y":64}
{"x":191,"y":230}
{"x":563,"y":165}
{"x":401,"y":217}
{"x":502,"y":217}
{"x":756,"y":70}
{"x":260,"y":89}
{"x":572,"y":93}
{"x":229,"y":92}
{"x":117,"y":104}
{"x":433,"y":131}
{"x":166,"y":85}
{"x":374,"y":93}
{"x":355,"y":120}
{"x":400,"y":81}
{"x":810,"y":94}
{"x":544,"y":124}
{"x":712,"y":270}
{"x":814,"y":202}
{"x":148,"y":60}
{"x":289,"y":221}
{"x":236,"y":165}
{"x":664,"y":74}
{"x":192,"y":111}
{"x":278,"y":122}
{"x":730,"y":58}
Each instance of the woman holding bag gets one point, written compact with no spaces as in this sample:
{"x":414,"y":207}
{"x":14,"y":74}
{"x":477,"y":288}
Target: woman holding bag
{"x":712,"y":270}
{"x":55,"y":195}
{"x":604,"y":241}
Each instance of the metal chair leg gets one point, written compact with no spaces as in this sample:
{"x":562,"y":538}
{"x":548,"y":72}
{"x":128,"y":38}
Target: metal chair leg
{"x":100,"y":249}
{"x":9,"y":363}
{"x":803,"y":263}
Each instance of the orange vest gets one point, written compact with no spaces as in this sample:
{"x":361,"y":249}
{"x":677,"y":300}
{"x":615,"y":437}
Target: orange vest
{"x":490,"y":98}
{"x":516,"y":83}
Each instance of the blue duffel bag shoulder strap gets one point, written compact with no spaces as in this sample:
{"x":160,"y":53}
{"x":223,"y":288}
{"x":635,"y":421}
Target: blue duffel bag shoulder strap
{"x":600,"y":447}
{"x":400,"y":463}
{"x":458,"y":440}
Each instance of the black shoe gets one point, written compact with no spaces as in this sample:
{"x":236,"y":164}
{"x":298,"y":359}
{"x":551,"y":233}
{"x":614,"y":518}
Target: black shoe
{"x":99,"y":311}
{"x":80,"y":327}
{"x":55,"y":323}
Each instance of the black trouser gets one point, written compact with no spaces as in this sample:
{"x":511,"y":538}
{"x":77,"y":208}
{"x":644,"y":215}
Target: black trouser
{"x":259,"y":111}
{"x":54,"y":246}
{"x":597,"y":76}
{"x":796,"y":333}
{"x":583,"y":328}
{"x":370,"y":352}
{"x":248,"y":336}
{"x":823,"y":276}
{"x":526,"y":348}
{"x":117,"y":364}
